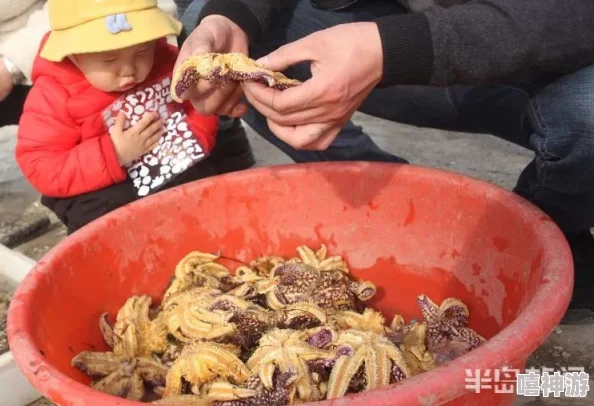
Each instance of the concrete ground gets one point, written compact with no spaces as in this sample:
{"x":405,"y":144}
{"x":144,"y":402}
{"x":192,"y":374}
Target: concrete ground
{"x":480,"y":156}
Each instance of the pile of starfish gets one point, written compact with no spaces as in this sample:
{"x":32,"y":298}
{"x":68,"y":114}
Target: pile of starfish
{"x":275,"y":332}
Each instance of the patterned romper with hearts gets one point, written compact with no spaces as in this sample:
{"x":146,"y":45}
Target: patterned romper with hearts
{"x":178,"y":149}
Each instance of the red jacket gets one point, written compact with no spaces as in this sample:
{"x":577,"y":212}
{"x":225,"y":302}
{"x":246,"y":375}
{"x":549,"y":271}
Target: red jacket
{"x":64,"y":148}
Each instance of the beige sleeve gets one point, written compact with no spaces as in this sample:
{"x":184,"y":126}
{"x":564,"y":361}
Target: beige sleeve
{"x":21,"y":45}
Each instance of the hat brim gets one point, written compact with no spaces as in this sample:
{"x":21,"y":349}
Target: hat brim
{"x":94,"y":36}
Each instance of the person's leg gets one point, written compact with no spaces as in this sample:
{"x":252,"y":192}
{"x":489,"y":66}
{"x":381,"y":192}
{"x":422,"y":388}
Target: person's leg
{"x":556,"y":121}
{"x":78,"y":211}
{"x":561,"y":178}
{"x":11,"y":108}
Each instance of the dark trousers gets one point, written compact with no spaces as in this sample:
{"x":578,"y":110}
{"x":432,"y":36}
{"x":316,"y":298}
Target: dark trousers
{"x":11,"y":108}
{"x":78,"y":211}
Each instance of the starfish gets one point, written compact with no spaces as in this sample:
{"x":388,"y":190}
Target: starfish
{"x":183,"y":400}
{"x":319,"y":259}
{"x":369,"y":320}
{"x":375,"y":362}
{"x":285,"y":350}
{"x":121,"y":376}
{"x":317,"y":279}
{"x":415,"y":350}
{"x":448,"y":322}
{"x":134,"y":333}
{"x":198,"y":269}
{"x":263,"y":265}
{"x":201,"y":363}
{"x":134,"y":338}
{"x":279,"y":395}
{"x":220,"y":68}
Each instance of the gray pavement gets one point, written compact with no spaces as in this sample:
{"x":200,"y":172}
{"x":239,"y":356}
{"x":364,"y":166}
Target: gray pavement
{"x":481,"y":156}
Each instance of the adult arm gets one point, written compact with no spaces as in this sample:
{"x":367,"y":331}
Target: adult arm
{"x":252,"y":16}
{"x":487,"y":41}
{"x":50,"y":152}
{"x":20,"y":46}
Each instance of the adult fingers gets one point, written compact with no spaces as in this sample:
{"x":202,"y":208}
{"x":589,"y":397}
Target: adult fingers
{"x":198,"y":42}
{"x":208,"y":98}
{"x":290,"y":54}
{"x":277,"y":103}
{"x":324,"y":141}
{"x":265,"y":101}
{"x":302,"y":137}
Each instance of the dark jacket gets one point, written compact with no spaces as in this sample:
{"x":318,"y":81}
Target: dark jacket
{"x":473,"y":42}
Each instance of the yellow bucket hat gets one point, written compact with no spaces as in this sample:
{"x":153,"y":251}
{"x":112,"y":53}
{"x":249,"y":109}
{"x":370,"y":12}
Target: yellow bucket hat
{"x":86,"y":26}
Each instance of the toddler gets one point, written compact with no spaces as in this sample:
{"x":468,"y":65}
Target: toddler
{"x":99,"y":128}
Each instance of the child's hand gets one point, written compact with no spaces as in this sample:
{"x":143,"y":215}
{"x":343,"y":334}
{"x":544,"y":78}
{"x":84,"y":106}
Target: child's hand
{"x":137,"y":140}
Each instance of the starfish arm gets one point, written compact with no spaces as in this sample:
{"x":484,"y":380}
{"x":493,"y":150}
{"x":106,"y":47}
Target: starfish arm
{"x":173,"y":380}
{"x":106,"y":330}
{"x":377,"y":368}
{"x":303,"y":383}
{"x":343,"y":372}
{"x":321,"y":253}
{"x":428,"y":308}
{"x":308,"y":256}
{"x":97,"y":364}
{"x":266,"y":372}
{"x":183,"y":400}
{"x":224,"y":391}
{"x":335,"y":263}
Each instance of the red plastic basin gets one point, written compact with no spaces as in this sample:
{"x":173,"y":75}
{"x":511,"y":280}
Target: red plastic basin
{"x":410,"y":230}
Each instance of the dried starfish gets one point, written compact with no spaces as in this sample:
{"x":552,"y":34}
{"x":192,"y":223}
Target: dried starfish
{"x":201,"y":363}
{"x":120,"y":376}
{"x":134,"y":333}
{"x":134,"y":338}
{"x":286,"y":349}
{"x":447,"y":322}
{"x":220,"y":68}
{"x":201,"y":313}
{"x":279,"y":395}
{"x":375,"y":362}
{"x":249,"y":325}
{"x":198,"y":269}
{"x":320,"y":280}
{"x":319,"y":259}
{"x":260,"y":267}
{"x":332,"y":289}
{"x":369,"y":320}
{"x":398,"y":330}
{"x":183,"y":400}
{"x":415,"y":350}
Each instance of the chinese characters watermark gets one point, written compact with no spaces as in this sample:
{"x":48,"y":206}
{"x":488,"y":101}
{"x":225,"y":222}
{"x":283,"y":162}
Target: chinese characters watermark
{"x":569,"y":382}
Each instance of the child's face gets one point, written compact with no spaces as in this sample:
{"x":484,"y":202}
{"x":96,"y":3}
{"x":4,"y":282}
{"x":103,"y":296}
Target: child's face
{"x":120,"y":70}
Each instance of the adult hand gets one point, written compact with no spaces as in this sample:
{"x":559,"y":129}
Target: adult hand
{"x":215,"y":34}
{"x":346,"y":64}
{"x":6,"y":84}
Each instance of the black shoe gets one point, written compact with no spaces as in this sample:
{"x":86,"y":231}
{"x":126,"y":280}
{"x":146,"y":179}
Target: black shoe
{"x":581,"y":307}
{"x":232,"y":151}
